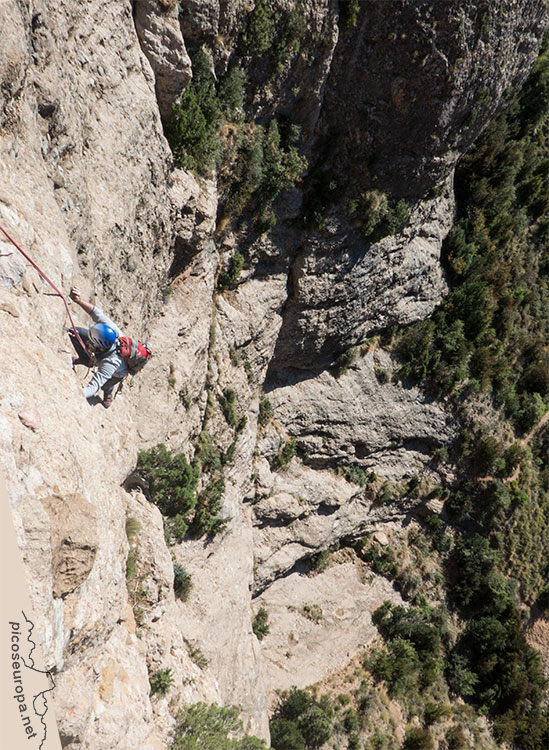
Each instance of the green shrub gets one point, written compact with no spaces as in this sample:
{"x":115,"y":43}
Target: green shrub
{"x":176,"y":528}
{"x":161,"y":681}
{"x":282,"y":459}
{"x":260,"y":623}
{"x":509,"y":678}
{"x":208,"y":454}
{"x":262,"y":166}
{"x":182,"y":583}
{"x":382,"y":560}
{"x":266,"y":221}
{"x":207,"y":518}
{"x":350,"y":721}
{"x":355,"y":475}
{"x":398,"y":666}
{"x":244,"y":172}
{"x":475,"y":580}
{"x":133,"y":527}
{"x":315,"y":726}
{"x":345,"y":360}
{"x":210,"y":727}
{"x":434,"y":711}
{"x":172,"y":480}
{"x":285,"y":735}
{"x":228,"y":406}
{"x":543,"y":600}
{"x":300,"y":720}
{"x":229,"y":279}
{"x":281,"y":168}
{"x":249,"y":743}
{"x":382,"y":375}
{"x":261,"y":28}
{"x":456,"y":738}
{"x":348,"y":13}
{"x":266,"y":411}
{"x":530,"y":411}
{"x":320,"y":561}
{"x":313,"y":612}
{"x":241,"y":425}
{"x":461,"y":679}
{"x":424,"y":626}
{"x":196,"y":118}
{"x":418,"y":739}
{"x":488,"y":450}
{"x":231,"y":93}
{"x":131,"y":564}
{"x":377,"y":215}
{"x":292,"y":703}
{"x":196,"y":654}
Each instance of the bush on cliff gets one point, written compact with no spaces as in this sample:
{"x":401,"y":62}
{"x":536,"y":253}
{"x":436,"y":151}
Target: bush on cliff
{"x":300,"y":721}
{"x":172,"y":480}
{"x":209,"y":727}
{"x":196,"y":118}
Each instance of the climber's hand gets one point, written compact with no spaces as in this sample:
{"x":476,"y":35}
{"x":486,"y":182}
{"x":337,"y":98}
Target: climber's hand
{"x":75,"y":294}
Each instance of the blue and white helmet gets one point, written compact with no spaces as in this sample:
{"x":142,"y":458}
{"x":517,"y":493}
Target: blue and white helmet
{"x":102,"y":336}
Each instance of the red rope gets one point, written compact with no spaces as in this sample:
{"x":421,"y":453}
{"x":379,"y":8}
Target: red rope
{"x":14,"y":243}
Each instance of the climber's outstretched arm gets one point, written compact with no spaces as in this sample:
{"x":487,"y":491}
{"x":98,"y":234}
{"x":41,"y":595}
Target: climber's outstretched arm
{"x":75,"y":296}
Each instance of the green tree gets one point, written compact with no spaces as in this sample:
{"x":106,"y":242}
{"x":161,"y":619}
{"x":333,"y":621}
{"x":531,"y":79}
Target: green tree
{"x":315,"y":726}
{"x":285,"y":735}
{"x":476,"y":580}
{"x":261,"y":29}
{"x":195,"y":121}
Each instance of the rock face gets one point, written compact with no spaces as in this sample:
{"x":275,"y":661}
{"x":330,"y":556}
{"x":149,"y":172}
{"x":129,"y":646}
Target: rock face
{"x":345,"y":289}
{"x":356,"y":419}
{"x":159,"y":33}
{"x":301,"y":511}
{"x":319,"y":622}
{"x":89,"y":189}
{"x":412,"y":84}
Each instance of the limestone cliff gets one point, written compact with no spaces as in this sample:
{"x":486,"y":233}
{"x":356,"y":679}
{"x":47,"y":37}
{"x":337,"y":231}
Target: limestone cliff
{"x":88,"y":187}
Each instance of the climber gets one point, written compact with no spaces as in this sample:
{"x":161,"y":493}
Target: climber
{"x":101,"y":341}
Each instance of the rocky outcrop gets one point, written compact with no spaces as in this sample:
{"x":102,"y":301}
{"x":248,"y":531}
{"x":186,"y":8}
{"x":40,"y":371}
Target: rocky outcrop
{"x":355,"y":419}
{"x":342,"y":289}
{"x":300,"y":512}
{"x":91,"y":108}
{"x":216,"y":23}
{"x":318,"y":622}
{"x":397,"y":99}
{"x":159,"y":32}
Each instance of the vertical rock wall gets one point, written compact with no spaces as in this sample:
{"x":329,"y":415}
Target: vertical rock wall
{"x":88,"y":187}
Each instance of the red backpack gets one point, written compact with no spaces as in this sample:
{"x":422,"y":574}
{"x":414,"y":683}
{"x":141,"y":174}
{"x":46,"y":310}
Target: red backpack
{"x":134,"y":353}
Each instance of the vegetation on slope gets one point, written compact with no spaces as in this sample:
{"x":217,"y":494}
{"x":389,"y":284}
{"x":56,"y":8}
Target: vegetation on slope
{"x":485,"y":351}
{"x":490,"y":334}
{"x":487,"y":344}
{"x":254,"y":161}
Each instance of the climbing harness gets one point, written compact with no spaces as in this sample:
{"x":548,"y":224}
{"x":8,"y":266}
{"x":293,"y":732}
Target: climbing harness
{"x":43,"y":275}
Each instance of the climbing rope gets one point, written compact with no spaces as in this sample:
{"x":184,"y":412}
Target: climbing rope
{"x":43,"y":275}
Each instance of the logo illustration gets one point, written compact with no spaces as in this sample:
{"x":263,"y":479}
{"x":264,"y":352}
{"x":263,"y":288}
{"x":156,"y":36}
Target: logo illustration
{"x":30,"y":684}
